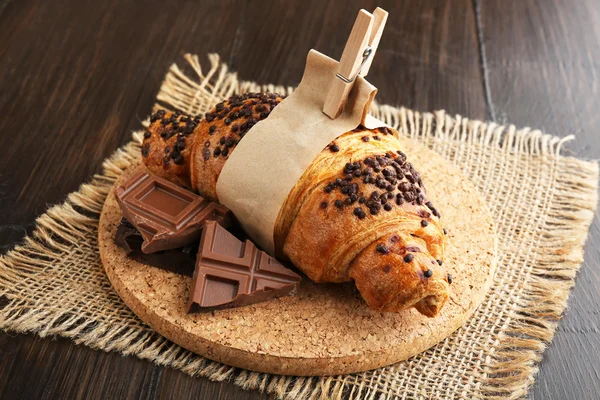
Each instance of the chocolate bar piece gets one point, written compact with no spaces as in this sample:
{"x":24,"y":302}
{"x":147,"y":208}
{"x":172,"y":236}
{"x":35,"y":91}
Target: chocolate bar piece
{"x":232,"y":273}
{"x":166,"y":215}
{"x":180,"y":261}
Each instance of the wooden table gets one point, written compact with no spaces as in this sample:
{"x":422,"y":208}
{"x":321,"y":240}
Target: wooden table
{"x":76,"y":77}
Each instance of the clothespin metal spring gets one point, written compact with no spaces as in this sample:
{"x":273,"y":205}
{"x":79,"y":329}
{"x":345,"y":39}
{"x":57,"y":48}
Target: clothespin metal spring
{"x":366,"y":56}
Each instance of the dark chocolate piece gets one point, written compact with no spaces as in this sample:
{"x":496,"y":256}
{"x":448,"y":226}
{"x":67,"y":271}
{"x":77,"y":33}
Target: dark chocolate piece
{"x":180,"y":261}
{"x":166,"y":215}
{"x":232,"y":273}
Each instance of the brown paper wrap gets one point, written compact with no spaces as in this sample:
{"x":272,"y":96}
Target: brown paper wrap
{"x":274,"y":154}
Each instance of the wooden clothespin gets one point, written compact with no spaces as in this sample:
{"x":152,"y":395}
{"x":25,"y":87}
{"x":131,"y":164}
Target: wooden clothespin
{"x":356,"y":58}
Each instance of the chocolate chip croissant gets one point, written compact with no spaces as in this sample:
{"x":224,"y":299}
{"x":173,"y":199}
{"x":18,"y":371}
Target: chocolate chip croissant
{"x":359,"y":212}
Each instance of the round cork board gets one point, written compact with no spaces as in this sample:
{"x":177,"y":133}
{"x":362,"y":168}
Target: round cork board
{"x":325,"y":329}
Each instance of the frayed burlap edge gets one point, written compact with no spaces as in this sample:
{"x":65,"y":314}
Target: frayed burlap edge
{"x":510,"y":366}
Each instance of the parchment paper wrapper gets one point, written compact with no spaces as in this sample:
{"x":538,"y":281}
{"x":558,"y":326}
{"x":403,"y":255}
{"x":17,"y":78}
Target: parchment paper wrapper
{"x":265,"y":166}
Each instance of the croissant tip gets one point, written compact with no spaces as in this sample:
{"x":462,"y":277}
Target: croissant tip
{"x":430,"y":306}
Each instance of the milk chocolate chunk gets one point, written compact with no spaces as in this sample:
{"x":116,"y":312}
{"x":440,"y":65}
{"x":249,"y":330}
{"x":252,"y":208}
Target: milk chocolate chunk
{"x":167,"y":216}
{"x":180,"y":261}
{"x":232,"y":273}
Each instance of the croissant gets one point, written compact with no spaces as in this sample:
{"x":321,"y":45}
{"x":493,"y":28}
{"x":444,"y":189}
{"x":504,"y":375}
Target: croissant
{"x":359,"y":212}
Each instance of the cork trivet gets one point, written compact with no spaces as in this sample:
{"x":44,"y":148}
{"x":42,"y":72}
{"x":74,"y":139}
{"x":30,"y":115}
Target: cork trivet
{"x":325,"y":329}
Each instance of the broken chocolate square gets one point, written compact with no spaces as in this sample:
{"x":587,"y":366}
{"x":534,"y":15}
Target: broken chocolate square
{"x":232,"y":273}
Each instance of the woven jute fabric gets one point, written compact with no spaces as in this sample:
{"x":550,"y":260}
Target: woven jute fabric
{"x":542,"y":202}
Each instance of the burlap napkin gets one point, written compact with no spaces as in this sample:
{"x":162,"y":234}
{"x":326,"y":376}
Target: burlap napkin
{"x":543,"y":204}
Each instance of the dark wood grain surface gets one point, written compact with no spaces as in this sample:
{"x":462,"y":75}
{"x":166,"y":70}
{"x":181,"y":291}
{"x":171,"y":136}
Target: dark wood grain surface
{"x":76,"y":77}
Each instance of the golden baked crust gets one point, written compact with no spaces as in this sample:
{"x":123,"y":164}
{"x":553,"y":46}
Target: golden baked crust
{"x":190,"y":151}
{"x":167,"y":145}
{"x":359,"y":212}
{"x":219,"y":133}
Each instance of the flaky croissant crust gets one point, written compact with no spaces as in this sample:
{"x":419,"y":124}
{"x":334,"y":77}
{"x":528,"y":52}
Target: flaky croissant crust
{"x":359,"y":212}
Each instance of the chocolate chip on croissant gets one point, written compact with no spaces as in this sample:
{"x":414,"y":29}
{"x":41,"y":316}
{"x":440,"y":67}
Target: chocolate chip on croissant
{"x":359,"y":212}
{"x":191,"y":152}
